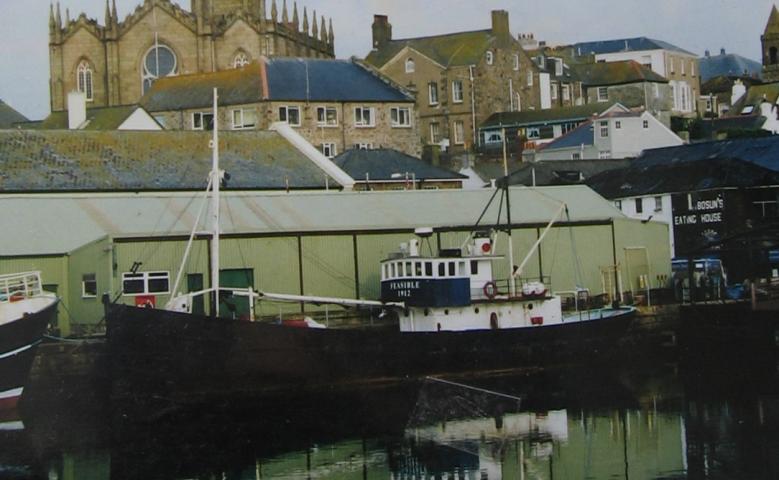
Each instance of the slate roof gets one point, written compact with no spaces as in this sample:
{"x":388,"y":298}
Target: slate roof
{"x":615,"y":73}
{"x":59,"y":161}
{"x":562,"y":172}
{"x":9,"y":116}
{"x":742,"y":122}
{"x":329,"y":80}
{"x":728,"y":65}
{"x":762,"y":151}
{"x":100,"y":118}
{"x":638,"y":44}
{"x":381,"y":164}
{"x":464,"y":48}
{"x":548,"y":116}
{"x":581,"y":135}
{"x":278,"y":79}
{"x":642,"y":179}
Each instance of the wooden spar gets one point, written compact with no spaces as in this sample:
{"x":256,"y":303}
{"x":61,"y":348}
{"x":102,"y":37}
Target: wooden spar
{"x":538,"y":242}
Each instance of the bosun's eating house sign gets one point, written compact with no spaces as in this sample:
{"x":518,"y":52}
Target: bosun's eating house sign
{"x":698,"y":220}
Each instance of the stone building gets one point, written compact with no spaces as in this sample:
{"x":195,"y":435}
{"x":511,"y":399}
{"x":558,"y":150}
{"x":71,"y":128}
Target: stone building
{"x":115,"y":63}
{"x":460,"y":79}
{"x":770,"y":43}
{"x":335,"y":105}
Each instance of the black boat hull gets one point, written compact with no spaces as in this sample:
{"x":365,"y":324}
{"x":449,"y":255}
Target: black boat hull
{"x":18,"y":341}
{"x":156,"y":352}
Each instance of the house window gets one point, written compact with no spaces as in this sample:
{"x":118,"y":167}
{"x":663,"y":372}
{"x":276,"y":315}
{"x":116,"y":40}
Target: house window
{"x":240,"y":60}
{"x":363,"y":146}
{"x":516,"y":62}
{"x":566,"y":92}
{"x":603,"y":94}
{"x":329,"y":150}
{"x":88,"y":285}
{"x":576,"y":156}
{"x":144,"y":283}
{"x":410,"y":65}
{"x":159,"y":61}
{"x":618,"y":204}
{"x":493,"y":137}
{"x":290,"y":114}
{"x":658,"y":204}
{"x":533,"y":133}
{"x":553,"y":90}
{"x":400,"y":117}
{"x":435,"y":133}
{"x":432,"y":93}
{"x":639,"y":205}
{"x":202,"y":121}
{"x":604,"y":128}
{"x":363,"y":117}
{"x":692,"y":68}
{"x":326,"y":116}
{"x":646,"y":123}
{"x":618,"y":124}
{"x":244,"y":118}
{"x":490,"y":57}
{"x":457,"y":91}
{"x":683,"y":68}
{"x":673,"y":68}
{"x":84,"y":74}
{"x":604,"y":154}
{"x":530,"y":78}
{"x":459,"y":132}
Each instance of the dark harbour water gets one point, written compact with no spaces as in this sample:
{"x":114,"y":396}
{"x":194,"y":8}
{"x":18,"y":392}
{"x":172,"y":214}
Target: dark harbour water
{"x":670,"y":421}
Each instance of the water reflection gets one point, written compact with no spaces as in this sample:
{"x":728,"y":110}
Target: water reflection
{"x":638,"y":425}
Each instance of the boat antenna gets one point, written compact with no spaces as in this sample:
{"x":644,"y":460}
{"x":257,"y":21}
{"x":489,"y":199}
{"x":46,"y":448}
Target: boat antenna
{"x":215,"y":184}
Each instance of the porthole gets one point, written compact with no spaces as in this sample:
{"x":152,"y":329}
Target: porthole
{"x":476,"y":310}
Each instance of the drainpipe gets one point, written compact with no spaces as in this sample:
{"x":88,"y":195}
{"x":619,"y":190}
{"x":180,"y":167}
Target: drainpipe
{"x":473,"y":104}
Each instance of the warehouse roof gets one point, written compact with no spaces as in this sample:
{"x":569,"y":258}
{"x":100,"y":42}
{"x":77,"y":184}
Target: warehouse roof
{"x":275,"y":79}
{"x":56,"y":161}
{"x":383,"y":163}
{"x":57,"y":223}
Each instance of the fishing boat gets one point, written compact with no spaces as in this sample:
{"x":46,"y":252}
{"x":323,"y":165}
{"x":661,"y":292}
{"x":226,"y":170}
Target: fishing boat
{"x":25,"y":312}
{"x":453,"y":316}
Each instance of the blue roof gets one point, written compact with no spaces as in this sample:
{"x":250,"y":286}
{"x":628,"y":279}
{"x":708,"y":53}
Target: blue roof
{"x":637,"y":44}
{"x":762,"y":151}
{"x":328,"y":80}
{"x":383,"y":163}
{"x":581,"y":135}
{"x":729,"y":65}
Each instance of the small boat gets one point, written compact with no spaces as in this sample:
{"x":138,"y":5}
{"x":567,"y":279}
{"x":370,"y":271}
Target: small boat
{"x":25,"y":312}
{"x":453,"y":317}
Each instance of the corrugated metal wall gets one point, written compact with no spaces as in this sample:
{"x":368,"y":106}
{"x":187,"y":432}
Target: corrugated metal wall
{"x":95,"y":258}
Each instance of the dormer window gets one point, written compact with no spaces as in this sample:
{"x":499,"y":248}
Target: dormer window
{"x":490,"y":57}
{"x":410,"y":65}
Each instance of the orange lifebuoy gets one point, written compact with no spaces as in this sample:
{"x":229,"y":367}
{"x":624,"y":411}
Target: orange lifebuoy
{"x":490,"y":290}
{"x":16,"y":297}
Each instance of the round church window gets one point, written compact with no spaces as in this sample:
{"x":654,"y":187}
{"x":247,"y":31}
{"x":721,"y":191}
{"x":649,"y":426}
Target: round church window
{"x":160,"y":61}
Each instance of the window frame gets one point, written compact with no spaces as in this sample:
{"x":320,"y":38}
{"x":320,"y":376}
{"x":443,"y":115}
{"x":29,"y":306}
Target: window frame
{"x":242,"y":125}
{"x":396,"y":117}
{"x":516,"y":62}
{"x":287,"y":109}
{"x":241,"y":59}
{"x":603,"y":128}
{"x":639,"y":204}
{"x":329,"y":146}
{"x":458,"y":91}
{"x":602,"y":94}
{"x":145,"y":278}
{"x":435,"y":133}
{"x":490,"y":57}
{"x":324,"y":110}
{"x":84,"y":80}
{"x":201,"y":116}
{"x":359,"y":120}
{"x":148,"y":76}
{"x":410,"y":65}
{"x":432,"y":93}
{"x":566,"y":92}
{"x":85,"y":281}
{"x":458,"y":134}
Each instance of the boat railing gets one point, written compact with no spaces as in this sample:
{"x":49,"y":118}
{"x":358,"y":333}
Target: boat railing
{"x":501,"y":288}
{"x":18,"y":286}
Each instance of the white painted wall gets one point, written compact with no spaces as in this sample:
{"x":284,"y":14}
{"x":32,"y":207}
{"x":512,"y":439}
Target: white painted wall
{"x":651,"y":212}
{"x":657,"y":58}
{"x":632,"y":138}
{"x":140,"y":120}
{"x":544,"y":84}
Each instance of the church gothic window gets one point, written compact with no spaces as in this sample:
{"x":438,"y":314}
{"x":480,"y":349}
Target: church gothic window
{"x":773,"y":56}
{"x":241,"y":60}
{"x":84,"y":74}
{"x":160,"y":61}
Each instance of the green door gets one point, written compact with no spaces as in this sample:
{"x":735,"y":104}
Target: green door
{"x":231,"y":306}
{"x":195,"y":284}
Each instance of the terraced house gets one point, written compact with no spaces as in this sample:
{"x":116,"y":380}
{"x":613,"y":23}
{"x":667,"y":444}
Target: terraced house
{"x":335,"y":105}
{"x":460,"y":79}
{"x":116,"y":63}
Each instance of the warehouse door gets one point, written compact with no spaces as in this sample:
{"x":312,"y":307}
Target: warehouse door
{"x":232,"y":306}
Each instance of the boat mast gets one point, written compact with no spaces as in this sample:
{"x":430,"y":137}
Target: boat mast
{"x":512,"y":280}
{"x":215,"y":184}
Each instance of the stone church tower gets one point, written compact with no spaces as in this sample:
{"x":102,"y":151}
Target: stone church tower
{"x":770,"y":42}
{"x":114,"y":63}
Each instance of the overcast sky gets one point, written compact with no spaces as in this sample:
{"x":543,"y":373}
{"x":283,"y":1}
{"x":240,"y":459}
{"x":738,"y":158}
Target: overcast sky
{"x":695,"y":25}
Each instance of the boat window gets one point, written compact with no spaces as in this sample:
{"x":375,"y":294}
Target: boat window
{"x":461,"y":269}
{"x":393,"y":270}
{"x":452,"y":271}
{"x":441,"y":269}
{"x":474,"y":267}
{"x":409,"y":270}
{"x":428,"y":269}
{"x":418,"y":269}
